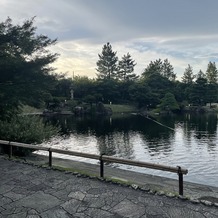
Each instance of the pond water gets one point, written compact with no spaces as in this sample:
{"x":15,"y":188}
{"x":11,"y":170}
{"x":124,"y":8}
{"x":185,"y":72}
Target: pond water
{"x":190,"y":142}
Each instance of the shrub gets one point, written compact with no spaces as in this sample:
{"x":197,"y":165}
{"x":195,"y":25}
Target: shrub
{"x":26,"y":129}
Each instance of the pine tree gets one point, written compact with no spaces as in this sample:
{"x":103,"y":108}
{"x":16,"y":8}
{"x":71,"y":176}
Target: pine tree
{"x":201,"y":75}
{"x":154,"y":67}
{"x":167,"y":70}
{"x":212,"y":73}
{"x":188,"y":76}
{"x":164,"y":68}
{"x":126,"y":68}
{"x":107,"y":63}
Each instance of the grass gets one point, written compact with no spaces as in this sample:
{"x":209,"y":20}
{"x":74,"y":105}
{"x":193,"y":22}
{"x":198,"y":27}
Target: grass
{"x":29,"y":109}
{"x":112,"y":179}
{"x":73,"y":170}
{"x":119,"y":108}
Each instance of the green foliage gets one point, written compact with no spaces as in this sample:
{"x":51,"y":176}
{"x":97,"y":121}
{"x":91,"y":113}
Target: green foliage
{"x":24,"y":64}
{"x":188,"y":76}
{"x":169,"y":103}
{"x":28,"y":109}
{"x":212,"y":93}
{"x":83,"y":86}
{"x":140,"y":93}
{"x":212,"y":73}
{"x":63,"y":88}
{"x":168,"y":71}
{"x":26,"y":129}
{"x":198,"y":92}
{"x":109,"y":89}
{"x":164,"y":69}
{"x":126,"y":69}
{"x":159,"y":86}
{"x":107,"y":63}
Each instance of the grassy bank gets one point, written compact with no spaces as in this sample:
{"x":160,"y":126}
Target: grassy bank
{"x":119,"y":108}
{"x":29,"y":109}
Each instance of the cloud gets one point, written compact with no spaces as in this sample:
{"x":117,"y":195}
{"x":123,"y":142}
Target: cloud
{"x":182,"y":31}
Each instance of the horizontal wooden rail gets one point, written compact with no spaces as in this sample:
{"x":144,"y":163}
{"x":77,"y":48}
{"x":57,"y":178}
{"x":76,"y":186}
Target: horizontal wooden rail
{"x":23,"y":145}
{"x":143,"y":164}
{"x":102,"y":159}
{"x":75,"y":153}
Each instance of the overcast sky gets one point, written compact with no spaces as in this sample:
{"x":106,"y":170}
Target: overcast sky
{"x":184,"y":31}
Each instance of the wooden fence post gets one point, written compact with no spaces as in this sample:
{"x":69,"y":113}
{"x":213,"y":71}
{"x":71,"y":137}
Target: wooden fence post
{"x":10,"y":150}
{"x":180,"y":180}
{"x":101,"y":167}
{"x":50,"y":158}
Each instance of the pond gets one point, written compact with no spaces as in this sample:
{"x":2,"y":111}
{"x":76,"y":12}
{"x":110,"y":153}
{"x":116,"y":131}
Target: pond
{"x":189,"y":141}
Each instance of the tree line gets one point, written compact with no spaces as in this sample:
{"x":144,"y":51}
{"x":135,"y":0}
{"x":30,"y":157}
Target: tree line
{"x":27,"y":77}
{"x":157,"y":86}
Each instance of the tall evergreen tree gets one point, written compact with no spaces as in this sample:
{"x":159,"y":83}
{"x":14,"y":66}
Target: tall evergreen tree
{"x":167,"y":70}
{"x":126,"y":68}
{"x":188,"y":76}
{"x":198,"y":92}
{"x":158,"y":67}
{"x":201,"y":74}
{"x":212,"y":73}
{"x":212,"y":78}
{"x":154,"y":67}
{"x":107,"y":63}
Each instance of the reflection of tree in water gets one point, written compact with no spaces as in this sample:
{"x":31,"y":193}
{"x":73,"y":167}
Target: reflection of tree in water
{"x":126,"y":148}
{"x":202,"y":125}
{"x":113,"y":134}
{"x":157,"y":138}
{"x":161,"y":142}
{"x":212,"y":124}
{"x":116,"y":144}
{"x":206,"y":127}
{"x":106,"y":145}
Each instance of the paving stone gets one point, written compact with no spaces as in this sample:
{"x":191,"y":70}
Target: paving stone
{"x":77,"y":195}
{"x":5,"y":201}
{"x":36,"y":192}
{"x":55,"y":213}
{"x":71,"y":206}
{"x":38,"y":201}
{"x":128,"y":209}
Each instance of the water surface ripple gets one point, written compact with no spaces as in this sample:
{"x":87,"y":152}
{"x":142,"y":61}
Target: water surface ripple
{"x":192,"y":144}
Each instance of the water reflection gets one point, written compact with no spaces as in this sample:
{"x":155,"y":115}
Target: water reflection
{"x":113,"y":134}
{"x":192,"y":143}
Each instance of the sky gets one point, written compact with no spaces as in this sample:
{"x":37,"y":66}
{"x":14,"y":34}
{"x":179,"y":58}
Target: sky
{"x":183,"y":31}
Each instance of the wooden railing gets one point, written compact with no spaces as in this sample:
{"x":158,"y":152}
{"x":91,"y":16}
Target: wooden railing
{"x":102,"y":158}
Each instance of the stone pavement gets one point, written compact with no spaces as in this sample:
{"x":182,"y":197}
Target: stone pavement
{"x":146,"y":181}
{"x":33,"y":192}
